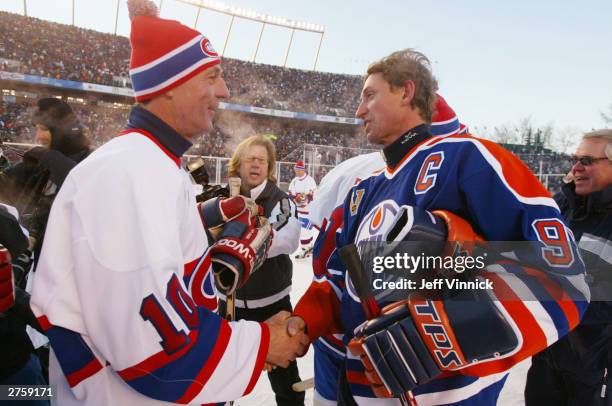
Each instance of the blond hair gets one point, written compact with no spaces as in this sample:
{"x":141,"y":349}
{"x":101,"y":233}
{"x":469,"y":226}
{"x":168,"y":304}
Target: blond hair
{"x":233,"y":167}
{"x":603,"y":134}
{"x":408,"y":64}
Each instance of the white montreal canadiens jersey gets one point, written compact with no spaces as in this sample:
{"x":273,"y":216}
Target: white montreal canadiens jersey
{"x":306,"y":186}
{"x":125,"y":292}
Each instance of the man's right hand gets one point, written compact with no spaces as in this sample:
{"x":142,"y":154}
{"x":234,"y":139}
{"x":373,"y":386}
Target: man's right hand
{"x":283,"y":347}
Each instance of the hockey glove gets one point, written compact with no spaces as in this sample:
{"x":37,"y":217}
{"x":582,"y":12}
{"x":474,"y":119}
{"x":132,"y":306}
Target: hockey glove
{"x":394,"y":356}
{"x":299,"y":198}
{"x":440,"y":233}
{"x":7,"y":284}
{"x":241,"y":248}
{"x":413,"y":340}
{"x":218,"y":211}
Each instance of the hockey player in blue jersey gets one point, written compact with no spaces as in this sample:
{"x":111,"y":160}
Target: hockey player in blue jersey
{"x":326,"y":216}
{"x":456,"y":188}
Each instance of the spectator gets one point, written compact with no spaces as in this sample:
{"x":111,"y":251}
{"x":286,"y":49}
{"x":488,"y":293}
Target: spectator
{"x":267,"y":291}
{"x":574,"y":370}
{"x":18,"y":363}
{"x":64,"y":144}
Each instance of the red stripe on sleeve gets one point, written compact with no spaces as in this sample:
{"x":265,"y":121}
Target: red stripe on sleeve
{"x":261,"y":358}
{"x":88,"y":370}
{"x":44,"y":323}
{"x":225,"y":332}
{"x":553,"y":288}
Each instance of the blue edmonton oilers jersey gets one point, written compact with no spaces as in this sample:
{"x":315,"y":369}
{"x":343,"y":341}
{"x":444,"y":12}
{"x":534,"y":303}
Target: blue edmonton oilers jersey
{"x":497,"y":194}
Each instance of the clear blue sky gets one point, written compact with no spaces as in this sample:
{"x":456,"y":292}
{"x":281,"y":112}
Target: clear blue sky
{"x":496,"y":61}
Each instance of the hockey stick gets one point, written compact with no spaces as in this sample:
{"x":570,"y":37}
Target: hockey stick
{"x":230,"y":304}
{"x":303,"y":386}
{"x":352,"y":262}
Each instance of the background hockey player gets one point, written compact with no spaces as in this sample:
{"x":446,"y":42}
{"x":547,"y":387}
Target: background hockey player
{"x":455,"y":188}
{"x":577,"y":369}
{"x":124,"y":287}
{"x":326,"y":216}
{"x":302,"y":189}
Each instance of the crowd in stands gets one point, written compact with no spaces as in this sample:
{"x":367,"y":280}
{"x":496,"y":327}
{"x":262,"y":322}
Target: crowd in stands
{"x":289,"y":135}
{"x":43,"y":48}
{"x":232,"y":127}
{"x":61,"y":51}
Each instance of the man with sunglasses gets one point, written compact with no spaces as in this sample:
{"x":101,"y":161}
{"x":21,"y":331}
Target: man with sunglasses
{"x":575,"y":370}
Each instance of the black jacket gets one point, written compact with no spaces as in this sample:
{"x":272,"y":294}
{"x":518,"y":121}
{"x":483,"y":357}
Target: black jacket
{"x":590,"y":219}
{"x":53,"y":165}
{"x":275,"y":274}
{"x":15,"y":345}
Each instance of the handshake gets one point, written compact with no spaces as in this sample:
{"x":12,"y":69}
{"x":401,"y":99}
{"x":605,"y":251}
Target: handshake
{"x":288,"y":340}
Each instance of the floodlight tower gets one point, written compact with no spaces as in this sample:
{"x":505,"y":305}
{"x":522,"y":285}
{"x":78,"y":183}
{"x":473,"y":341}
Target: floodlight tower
{"x":264,"y":19}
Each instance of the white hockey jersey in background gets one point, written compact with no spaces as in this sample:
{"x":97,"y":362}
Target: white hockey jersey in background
{"x":304,"y":186}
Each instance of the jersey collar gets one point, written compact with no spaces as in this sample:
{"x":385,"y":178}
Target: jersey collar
{"x":165,"y":135}
{"x":398,"y":149}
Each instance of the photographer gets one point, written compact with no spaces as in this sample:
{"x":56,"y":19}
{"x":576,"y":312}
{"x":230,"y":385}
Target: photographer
{"x":37,"y":180}
{"x":267,"y":290}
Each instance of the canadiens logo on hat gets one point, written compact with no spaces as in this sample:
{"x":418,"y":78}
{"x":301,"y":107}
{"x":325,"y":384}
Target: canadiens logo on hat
{"x":207,"y":48}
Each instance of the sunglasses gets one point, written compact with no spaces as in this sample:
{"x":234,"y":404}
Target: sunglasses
{"x":252,"y":159}
{"x":585,"y":160}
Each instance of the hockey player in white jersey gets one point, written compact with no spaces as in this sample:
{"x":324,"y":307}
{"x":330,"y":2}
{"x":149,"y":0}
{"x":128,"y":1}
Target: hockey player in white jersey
{"x":302,"y":189}
{"x":125,"y":286}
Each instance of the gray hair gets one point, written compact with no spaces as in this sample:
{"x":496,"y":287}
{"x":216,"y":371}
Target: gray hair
{"x":604,"y":134}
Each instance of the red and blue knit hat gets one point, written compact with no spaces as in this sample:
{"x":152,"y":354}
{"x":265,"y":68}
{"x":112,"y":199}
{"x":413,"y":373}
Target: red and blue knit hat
{"x":299,"y":165}
{"x":165,"y":53}
{"x":444,"y":121}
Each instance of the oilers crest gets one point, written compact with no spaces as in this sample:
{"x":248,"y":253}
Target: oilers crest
{"x":372,"y":228}
{"x":377,"y":221}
